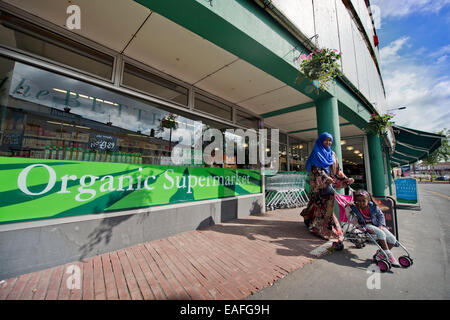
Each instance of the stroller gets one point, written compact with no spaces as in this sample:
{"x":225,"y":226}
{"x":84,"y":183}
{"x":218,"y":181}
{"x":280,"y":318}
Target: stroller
{"x":359,"y":235}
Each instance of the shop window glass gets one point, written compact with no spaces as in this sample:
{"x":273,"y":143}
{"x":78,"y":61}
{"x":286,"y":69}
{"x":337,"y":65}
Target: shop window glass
{"x":147,"y":82}
{"x":50,"y":116}
{"x":213,"y":107}
{"x":298,"y":154}
{"x":23,"y":35}
{"x":246,"y":120}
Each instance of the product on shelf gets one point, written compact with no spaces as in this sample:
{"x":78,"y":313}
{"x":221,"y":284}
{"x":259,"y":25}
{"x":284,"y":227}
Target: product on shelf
{"x":60,"y":153}
{"x":68,"y":154}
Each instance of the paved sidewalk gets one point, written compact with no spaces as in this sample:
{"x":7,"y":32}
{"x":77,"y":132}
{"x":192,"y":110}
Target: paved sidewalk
{"x":229,"y":260}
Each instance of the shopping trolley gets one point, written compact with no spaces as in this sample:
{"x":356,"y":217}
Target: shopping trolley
{"x":285,"y":190}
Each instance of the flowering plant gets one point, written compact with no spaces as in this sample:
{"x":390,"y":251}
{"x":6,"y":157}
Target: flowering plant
{"x":320,"y":66}
{"x":169,"y":122}
{"x":379,"y":123}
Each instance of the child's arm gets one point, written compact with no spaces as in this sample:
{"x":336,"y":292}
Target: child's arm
{"x":380,"y":217}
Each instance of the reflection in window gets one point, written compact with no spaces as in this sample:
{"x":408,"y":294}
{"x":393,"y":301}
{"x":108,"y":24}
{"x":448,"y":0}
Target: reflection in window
{"x":213,"y":107}
{"x":48,"y":116}
{"x":298,"y":153}
{"x":136,"y":78}
{"x":23,"y":35}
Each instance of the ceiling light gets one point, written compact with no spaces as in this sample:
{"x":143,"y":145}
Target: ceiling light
{"x":356,"y":151}
{"x":350,"y":148}
{"x":343,"y":142}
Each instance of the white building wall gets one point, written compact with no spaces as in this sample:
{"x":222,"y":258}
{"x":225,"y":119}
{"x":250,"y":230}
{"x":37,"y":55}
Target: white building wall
{"x":299,"y":12}
{"x":347,"y":46}
{"x":331,"y":20}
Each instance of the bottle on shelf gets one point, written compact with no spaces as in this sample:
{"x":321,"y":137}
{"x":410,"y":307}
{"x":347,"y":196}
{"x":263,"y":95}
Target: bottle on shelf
{"x":54,"y":153}
{"x":74,"y":154}
{"x":80,"y":154}
{"x":92,"y":155}
{"x":47,"y":152}
{"x":97,"y":155}
{"x":86,"y":155}
{"x":60,"y":153}
{"x":68,"y":154}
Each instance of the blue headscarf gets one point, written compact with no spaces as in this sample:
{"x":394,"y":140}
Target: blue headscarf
{"x":321,"y":156}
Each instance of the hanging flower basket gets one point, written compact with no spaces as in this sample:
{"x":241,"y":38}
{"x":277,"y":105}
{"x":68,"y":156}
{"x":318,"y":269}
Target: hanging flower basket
{"x":320,"y":66}
{"x":378,"y":124}
{"x":169,"y":122}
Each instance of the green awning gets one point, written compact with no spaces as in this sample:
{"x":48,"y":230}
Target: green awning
{"x":413,"y":145}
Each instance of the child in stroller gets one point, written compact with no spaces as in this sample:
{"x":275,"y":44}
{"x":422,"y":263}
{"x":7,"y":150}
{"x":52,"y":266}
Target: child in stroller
{"x":372,"y":220}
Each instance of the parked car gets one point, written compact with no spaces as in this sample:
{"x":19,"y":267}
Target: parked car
{"x":443,"y":178}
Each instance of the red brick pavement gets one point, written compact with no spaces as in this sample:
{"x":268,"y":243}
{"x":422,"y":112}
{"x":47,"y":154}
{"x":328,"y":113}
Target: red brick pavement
{"x":226,"y":261}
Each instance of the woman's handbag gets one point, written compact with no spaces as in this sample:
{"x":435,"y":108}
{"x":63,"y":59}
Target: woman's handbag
{"x":327,"y":190}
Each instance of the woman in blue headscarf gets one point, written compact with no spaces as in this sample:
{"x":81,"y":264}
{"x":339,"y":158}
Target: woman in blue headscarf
{"x":324,"y":177}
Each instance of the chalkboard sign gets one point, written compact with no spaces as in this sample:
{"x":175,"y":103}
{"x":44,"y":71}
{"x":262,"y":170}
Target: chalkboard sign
{"x":387,"y":206}
{"x":103,"y":142}
{"x":12,"y":139}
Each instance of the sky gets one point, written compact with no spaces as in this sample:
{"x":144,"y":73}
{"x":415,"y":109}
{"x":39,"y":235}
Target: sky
{"x":415,"y":60}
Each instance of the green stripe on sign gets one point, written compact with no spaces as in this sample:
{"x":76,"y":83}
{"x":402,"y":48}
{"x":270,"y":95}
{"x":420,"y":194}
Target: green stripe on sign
{"x":35,"y":189}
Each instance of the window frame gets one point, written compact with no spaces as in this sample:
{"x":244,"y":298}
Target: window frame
{"x":59,"y":32}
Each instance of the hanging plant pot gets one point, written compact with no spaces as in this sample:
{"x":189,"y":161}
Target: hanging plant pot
{"x":169,"y":122}
{"x":379,"y":124}
{"x":320,"y":66}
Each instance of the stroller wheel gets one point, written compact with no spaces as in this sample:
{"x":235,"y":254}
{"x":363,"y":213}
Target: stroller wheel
{"x":405,"y":261}
{"x":383,"y":265}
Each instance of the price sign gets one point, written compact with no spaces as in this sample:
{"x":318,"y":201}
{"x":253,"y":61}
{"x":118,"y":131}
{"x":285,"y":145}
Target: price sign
{"x":12,"y":139}
{"x":406,"y":190}
{"x":102,"y":142}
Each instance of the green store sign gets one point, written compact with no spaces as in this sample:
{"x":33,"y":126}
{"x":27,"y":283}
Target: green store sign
{"x":40,"y":188}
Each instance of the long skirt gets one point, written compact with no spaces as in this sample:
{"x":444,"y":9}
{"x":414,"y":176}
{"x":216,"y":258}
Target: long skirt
{"x":320,"y":219}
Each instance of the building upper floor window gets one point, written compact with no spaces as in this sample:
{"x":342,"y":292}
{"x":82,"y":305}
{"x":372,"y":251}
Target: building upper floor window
{"x":134,"y":77}
{"x":213,"y":107}
{"x":246,"y":119}
{"x":28,"y":37}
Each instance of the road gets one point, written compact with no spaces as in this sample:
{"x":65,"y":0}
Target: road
{"x":347,"y":274}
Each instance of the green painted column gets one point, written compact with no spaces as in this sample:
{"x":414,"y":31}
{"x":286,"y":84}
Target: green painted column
{"x":389,"y":169}
{"x":328,"y":121}
{"x":376,"y":165}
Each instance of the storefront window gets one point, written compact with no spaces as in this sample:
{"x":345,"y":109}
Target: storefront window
{"x":213,"y":107}
{"x":147,"y":82}
{"x":246,"y":120}
{"x":49,"y":116}
{"x":298,"y":154}
{"x":20,"y":34}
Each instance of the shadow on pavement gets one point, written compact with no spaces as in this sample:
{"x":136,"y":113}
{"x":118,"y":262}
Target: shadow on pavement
{"x":289,"y":238}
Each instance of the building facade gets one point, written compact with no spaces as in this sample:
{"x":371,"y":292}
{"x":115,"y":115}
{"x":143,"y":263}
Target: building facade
{"x":95,"y":96}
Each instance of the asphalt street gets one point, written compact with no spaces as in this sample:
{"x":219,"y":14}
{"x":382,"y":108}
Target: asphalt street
{"x":350,"y":274}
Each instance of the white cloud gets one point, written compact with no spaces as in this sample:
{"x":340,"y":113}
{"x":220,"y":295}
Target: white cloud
{"x":417,"y":85}
{"x":389,"y":53}
{"x":401,"y":8}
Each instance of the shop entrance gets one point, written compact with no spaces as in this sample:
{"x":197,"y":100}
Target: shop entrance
{"x":353,"y":160}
